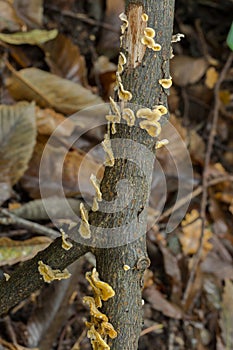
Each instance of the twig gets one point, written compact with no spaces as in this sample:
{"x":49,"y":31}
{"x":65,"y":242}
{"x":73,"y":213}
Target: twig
{"x":11,"y":219}
{"x":210,"y":143}
{"x":155,"y":327}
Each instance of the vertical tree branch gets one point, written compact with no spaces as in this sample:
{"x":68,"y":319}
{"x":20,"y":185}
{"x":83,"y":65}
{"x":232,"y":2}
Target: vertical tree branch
{"x":141,"y":76}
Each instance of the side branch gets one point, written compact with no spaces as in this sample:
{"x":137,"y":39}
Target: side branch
{"x":26,"y":278}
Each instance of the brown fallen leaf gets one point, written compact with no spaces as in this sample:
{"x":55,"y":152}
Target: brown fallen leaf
{"x":53,"y":164}
{"x":12,"y":251}
{"x":190,"y":239}
{"x":30,"y":11}
{"x":159,"y":302}
{"x":17,"y":140}
{"x":9,"y":18}
{"x":49,"y":90}
{"x":187,"y":70}
{"x":64,"y":59}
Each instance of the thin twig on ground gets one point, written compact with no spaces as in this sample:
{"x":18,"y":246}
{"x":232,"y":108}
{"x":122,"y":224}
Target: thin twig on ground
{"x":210,"y":143}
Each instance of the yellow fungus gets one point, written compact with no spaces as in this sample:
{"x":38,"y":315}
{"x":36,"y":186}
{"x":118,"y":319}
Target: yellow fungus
{"x":144,"y":17}
{"x":126,"y":267}
{"x":7,"y":277}
{"x":95,"y":205}
{"x":50,"y":275}
{"x":161,"y":143}
{"x":108,"y":149}
{"x":152,"y":115}
{"x":97,"y":341}
{"x":165,"y":83}
{"x":123,"y":94}
{"x":96,"y":184}
{"x":106,"y":328}
{"x":177,"y":37}
{"x":152,"y":127}
{"x":100,"y":288}
{"x":128,"y":115}
{"x":115,"y":108}
{"x":162,"y":109}
{"x":84,"y":228}
{"x":143,"y":302}
{"x":121,"y":62}
{"x":65,"y":244}
{"x":150,"y":43}
{"x":149,"y":32}
{"x":156,"y":47}
{"x":93,"y":309}
{"x":125,"y":24}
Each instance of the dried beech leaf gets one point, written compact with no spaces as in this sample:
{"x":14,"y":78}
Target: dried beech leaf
{"x":33,"y":37}
{"x":30,"y":11}
{"x":8,"y":17}
{"x":17,"y":139}
{"x":158,"y":302}
{"x":49,"y":90}
{"x":190,"y":239}
{"x":12,"y":251}
{"x":226,"y":314}
{"x":35,"y":210}
{"x":53,"y":163}
{"x":65,"y":60}
{"x":187,"y":70}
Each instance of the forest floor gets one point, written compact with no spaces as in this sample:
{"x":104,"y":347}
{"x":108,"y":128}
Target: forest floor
{"x":188,"y":292}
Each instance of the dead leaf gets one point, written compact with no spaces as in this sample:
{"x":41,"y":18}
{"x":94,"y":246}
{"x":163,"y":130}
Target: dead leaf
{"x":33,"y":37}
{"x":48,"y":120}
{"x":159,"y":302}
{"x":9,"y":18}
{"x":217,"y":266}
{"x":211,"y":77}
{"x":36,"y":210}
{"x":226,"y":315}
{"x":190,"y":239}
{"x":187,"y":70}
{"x":65,"y":60}
{"x":17,"y":139}
{"x":53,"y":164}
{"x":30,"y":11}
{"x":12,"y":251}
{"x":49,"y":90}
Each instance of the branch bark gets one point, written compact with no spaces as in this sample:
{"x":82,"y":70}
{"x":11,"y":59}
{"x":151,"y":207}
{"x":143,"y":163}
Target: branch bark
{"x":26,"y":278}
{"x":141,"y":75}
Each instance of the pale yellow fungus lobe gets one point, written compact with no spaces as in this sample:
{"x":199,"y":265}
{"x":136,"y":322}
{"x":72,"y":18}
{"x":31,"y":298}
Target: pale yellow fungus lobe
{"x":125,"y":24}
{"x":108,"y":149}
{"x":144,"y":17}
{"x":153,"y":115}
{"x":84,"y":228}
{"x":96,"y":184}
{"x":121,"y":62}
{"x":65,"y":244}
{"x":126,"y":267}
{"x":7,"y":277}
{"x":107,"y":328}
{"x":150,"y":43}
{"x":152,"y":127}
{"x":177,"y":37}
{"x":50,"y":275}
{"x":128,"y":115}
{"x":95,"y":205}
{"x":102,"y":290}
{"x":166,"y":83}
{"x":93,"y":309}
{"x":97,"y":341}
{"x":161,"y":143}
{"x":115,"y":108}
{"x":149,"y":32}
{"x":123,"y":94}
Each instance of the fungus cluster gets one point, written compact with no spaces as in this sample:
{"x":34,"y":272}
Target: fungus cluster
{"x":152,"y":116}
{"x":166,"y":83}
{"x":50,"y":275}
{"x":108,"y":150}
{"x":84,"y":228}
{"x":99,"y":327}
{"x":148,"y":39}
{"x":65,"y":244}
{"x":98,"y":195}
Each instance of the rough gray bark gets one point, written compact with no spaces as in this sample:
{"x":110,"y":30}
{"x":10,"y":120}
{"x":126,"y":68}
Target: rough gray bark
{"x":125,"y":308}
{"x":26,"y":279}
